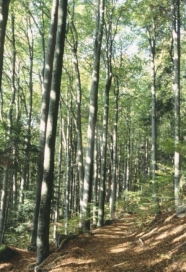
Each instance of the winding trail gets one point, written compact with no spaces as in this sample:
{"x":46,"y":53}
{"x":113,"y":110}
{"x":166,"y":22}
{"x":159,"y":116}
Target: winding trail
{"x":121,"y":247}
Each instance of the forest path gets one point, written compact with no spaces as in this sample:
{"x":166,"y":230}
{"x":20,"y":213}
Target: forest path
{"x":121,"y":247}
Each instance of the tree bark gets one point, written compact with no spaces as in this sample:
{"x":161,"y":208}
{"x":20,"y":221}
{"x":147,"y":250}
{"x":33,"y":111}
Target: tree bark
{"x":4,"y":8}
{"x":114,"y":153}
{"x":152,"y":44}
{"x":48,"y":67}
{"x":49,"y":151}
{"x":3,"y":203}
{"x":175,"y":7}
{"x":92,"y":117}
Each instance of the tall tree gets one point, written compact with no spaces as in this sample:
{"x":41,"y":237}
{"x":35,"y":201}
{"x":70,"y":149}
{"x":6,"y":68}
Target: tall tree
{"x":4,"y":8}
{"x":93,"y":112}
{"x":48,"y":68}
{"x":151,"y":31}
{"x":175,"y":7}
{"x":114,"y":151}
{"x":108,"y":67}
{"x":49,"y":151}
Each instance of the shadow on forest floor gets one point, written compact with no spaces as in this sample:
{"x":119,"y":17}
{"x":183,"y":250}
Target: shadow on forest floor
{"x":121,"y":246}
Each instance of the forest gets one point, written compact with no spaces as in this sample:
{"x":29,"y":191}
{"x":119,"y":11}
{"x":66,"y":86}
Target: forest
{"x":92,"y":116}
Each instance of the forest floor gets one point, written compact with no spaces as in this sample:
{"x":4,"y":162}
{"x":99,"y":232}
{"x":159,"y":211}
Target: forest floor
{"x":121,"y":246}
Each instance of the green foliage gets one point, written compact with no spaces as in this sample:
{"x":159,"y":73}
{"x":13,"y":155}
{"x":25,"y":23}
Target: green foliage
{"x":141,"y":202}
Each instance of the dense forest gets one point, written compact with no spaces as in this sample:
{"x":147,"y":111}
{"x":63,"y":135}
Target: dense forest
{"x":92,"y":115}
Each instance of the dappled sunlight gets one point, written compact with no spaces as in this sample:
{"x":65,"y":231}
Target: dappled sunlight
{"x":176,"y":230}
{"x":165,"y":227}
{"x":177,"y":239}
{"x":120,"y":248}
{"x":162,"y":235}
{"x":4,"y":266}
{"x":146,"y":235}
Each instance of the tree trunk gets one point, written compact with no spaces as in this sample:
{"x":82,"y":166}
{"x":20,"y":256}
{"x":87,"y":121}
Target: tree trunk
{"x":92,"y":117}
{"x":78,"y":112}
{"x":3,"y":204}
{"x":152,"y":44}
{"x":95,"y":179}
{"x":48,"y":66}
{"x":109,"y":41}
{"x":68,"y":171}
{"x":58,"y":185}
{"x":49,"y":151}
{"x":114,"y":153}
{"x":175,"y":7}
{"x":4,"y":7}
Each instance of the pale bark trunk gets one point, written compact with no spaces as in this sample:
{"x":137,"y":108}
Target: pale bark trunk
{"x":48,"y":66}
{"x":175,"y":6}
{"x":92,"y":117}
{"x":74,"y":48}
{"x":114,"y":153}
{"x":68,"y":172}
{"x":104,"y":147}
{"x":109,"y":42}
{"x":95,"y":179}
{"x":25,"y":171}
{"x":78,"y":112}
{"x":58,"y":184}
{"x":49,"y":151}
{"x":152,"y":44}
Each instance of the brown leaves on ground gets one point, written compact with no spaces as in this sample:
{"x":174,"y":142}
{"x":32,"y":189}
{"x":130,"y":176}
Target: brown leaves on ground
{"x":159,"y":246}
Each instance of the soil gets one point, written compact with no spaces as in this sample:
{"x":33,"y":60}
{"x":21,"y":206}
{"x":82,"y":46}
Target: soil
{"x":121,"y":246}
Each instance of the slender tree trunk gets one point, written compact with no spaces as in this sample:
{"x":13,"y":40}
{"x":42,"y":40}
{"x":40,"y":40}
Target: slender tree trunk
{"x":58,"y":185}
{"x":3,"y":203}
{"x":109,"y":42}
{"x":128,"y":150}
{"x":48,"y":67}
{"x":95,"y":179}
{"x":4,"y":8}
{"x":92,"y":116}
{"x":68,"y":172}
{"x":175,"y":6}
{"x":152,"y":44}
{"x":78,"y":114}
{"x":104,"y":148}
{"x":114,"y":153}
{"x":49,"y":151}
{"x":25,"y":171}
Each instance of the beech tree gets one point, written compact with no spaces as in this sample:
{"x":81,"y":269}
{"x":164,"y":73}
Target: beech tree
{"x":4,"y":8}
{"x":92,"y":113}
{"x":118,"y":130}
{"x":175,"y":8}
{"x":49,"y":150}
{"x":48,"y":68}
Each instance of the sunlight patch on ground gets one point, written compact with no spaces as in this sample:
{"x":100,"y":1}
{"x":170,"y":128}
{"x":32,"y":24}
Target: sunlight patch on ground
{"x":140,"y":234}
{"x":179,"y":238}
{"x":167,"y":226}
{"x":155,"y":243}
{"x":4,"y":266}
{"x":149,"y":233}
{"x":109,"y":235}
{"x":162,"y":235}
{"x":177,"y":229}
{"x":71,"y":263}
{"x":120,"y":248}
{"x":120,"y":264}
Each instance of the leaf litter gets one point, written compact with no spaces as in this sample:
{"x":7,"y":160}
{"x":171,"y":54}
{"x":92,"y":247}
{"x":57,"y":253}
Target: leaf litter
{"x":122,"y":247}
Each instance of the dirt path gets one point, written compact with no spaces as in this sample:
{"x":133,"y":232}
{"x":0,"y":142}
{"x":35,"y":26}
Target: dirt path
{"x":160,"y":246}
